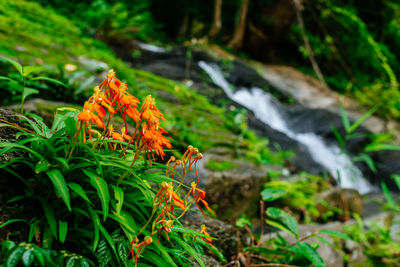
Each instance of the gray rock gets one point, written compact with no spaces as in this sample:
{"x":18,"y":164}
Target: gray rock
{"x":345,"y":199}
{"x":92,"y":65}
{"x":234,"y":191}
{"x":225,"y":233}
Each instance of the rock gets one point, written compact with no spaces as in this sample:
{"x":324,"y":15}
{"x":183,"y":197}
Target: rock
{"x":345,"y":199}
{"x":355,"y":252}
{"x":92,"y":65}
{"x":235,"y":190}
{"x":226,"y":241}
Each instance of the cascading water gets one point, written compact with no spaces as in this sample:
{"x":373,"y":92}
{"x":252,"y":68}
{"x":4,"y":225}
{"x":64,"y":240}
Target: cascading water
{"x":266,"y":109}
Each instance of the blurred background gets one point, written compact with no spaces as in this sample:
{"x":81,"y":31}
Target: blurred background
{"x":301,"y":96}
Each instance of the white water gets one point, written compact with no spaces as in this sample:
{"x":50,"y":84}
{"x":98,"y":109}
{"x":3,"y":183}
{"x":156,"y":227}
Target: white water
{"x":152,"y":48}
{"x":265,"y":109}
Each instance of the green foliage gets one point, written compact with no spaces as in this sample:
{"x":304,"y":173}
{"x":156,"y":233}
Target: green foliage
{"x":277,"y":250}
{"x":28,"y":254}
{"x":74,"y":188}
{"x":114,"y":20}
{"x":380,"y":247}
{"x":215,"y":165}
{"x":299,"y":195}
{"x":356,"y":47}
{"x":24,"y":77}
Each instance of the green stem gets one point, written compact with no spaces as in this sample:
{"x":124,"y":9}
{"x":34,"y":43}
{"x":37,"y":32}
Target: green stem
{"x":23,"y":91}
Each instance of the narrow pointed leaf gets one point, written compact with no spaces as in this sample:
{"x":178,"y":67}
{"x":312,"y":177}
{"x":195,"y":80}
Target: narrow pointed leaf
{"x":102,"y":191}
{"x":63,"y":229}
{"x":79,"y":190}
{"x":16,"y":65}
{"x":51,"y":219}
{"x":60,"y":185}
{"x":47,"y":79}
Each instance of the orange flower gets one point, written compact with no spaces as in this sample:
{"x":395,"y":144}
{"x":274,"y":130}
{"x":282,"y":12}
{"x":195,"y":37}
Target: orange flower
{"x":150,"y":112}
{"x":201,"y":194}
{"x":203,"y":230}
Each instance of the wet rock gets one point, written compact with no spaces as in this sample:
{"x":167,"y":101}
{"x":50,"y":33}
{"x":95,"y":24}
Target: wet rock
{"x":345,"y":199}
{"x":225,"y":233}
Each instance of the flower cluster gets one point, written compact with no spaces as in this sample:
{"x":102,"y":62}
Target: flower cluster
{"x":167,"y":199}
{"x":147,"y":138}
{"x":112,"y":95}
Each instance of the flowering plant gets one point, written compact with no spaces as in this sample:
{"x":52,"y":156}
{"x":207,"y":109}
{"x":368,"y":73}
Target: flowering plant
{"x":94,"y":186}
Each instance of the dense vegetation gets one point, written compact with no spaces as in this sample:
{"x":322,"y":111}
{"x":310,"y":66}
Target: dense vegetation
{"x":102,"y":177}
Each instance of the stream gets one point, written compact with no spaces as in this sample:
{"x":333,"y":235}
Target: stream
{"x":267,"y":109}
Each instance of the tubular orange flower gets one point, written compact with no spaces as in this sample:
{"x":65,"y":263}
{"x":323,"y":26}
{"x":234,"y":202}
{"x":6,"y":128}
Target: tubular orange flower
{"x":201,"y":194}
{"x":203,"y":230}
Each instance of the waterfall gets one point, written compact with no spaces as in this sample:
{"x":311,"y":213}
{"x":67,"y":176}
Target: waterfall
{"x":266,"y":109}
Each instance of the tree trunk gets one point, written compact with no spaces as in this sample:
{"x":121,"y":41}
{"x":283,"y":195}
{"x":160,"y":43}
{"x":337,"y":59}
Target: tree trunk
{"x":216,"y":26}
{"x":237,"y":39}
{"x":298,"y":7}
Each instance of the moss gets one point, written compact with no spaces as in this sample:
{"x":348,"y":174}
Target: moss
{"x":220,"y":165}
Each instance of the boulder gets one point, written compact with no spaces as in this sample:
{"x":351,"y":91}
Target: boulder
{"x":225,"y":233}
{"x":233,"y":191}
{"x":347,"y":200}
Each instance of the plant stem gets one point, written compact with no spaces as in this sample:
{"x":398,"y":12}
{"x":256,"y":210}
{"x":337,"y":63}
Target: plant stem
{"x":22,"y":96}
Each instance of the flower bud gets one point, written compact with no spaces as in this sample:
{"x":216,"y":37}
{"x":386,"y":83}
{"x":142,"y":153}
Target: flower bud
{"x":148,"y":240}
{"x":178,"y":162}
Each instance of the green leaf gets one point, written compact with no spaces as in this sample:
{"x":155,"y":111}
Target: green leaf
{"x":28,"y":257}
{"x":79,"y":190}
{"x":102,"y":191}
{"x":11,"y":221}
{"x":15,"y":256}
{"x":119,"y":197}
{"x":189,"y":249}
{"x":243,"y":221}
{"x":42,"y":166}
{"x":345,"y":118}
{"x":271,"y":194}
{"x":71,"y":262}
{"x":364,"y":117}
{"x":388,"y":196}
{"x":2,"y":78}
{"x":13,"y":145}
{"x":396,"y":178}
{"x":368,"y":160}
{"x":339,"y":138}
{"x":96,"y":223}
{"x":63,"y":229}
{"x":50,"y":80}
{"x":284,"y":218}
{"x":60,"y":185}
{"x":51,"y":219}
{"x":84,"y":263}
{"x":39,"y":256}
{"x":29,"y":69}
{"x":108,"y":238}
{"x":29,"y":91}
{"x":6,"y":246}
{"x":16,"y":65}
{"x":335,"y":233}
{"x":311,"y":253}
{"x":380,"y":147}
